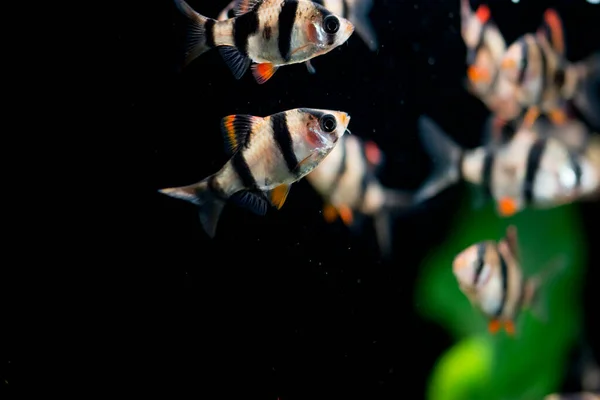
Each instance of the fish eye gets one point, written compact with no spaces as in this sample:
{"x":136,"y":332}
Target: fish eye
{"x":331,"y":24}
{"x":328,"y":123}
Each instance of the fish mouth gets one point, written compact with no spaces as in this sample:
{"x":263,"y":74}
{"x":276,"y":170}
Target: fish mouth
{"x":345,"y":118}
{"x":349,"y":28}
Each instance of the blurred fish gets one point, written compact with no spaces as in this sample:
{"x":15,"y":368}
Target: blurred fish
{"x":489,"y":274}
{"x":535,"y":71}
{"x":573,"y":396}
{"x":267,"y":155}
{"x":527,"y":171}
{"x":485,"y":48}
{"x":347,"y":182}
{"x":270,"y":33}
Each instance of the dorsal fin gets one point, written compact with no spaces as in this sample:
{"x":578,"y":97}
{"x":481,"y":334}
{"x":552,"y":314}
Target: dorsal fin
{"x":243,"y":6}
{"x":552,"y":30}
{"x":483,"y":13}
{"x":236,"y":130}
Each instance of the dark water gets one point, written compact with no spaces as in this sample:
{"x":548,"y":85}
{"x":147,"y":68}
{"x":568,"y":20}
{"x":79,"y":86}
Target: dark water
{"x":286,"y":305}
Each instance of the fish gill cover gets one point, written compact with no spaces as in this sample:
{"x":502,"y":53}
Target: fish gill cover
{"x":529,"y":365}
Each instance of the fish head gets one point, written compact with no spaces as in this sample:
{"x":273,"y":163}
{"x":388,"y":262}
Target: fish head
{"x":473,"y":266}
{"x":327,"y":30}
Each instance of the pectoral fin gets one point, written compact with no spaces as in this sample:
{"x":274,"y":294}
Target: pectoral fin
{"x":330,"y":213}
{"x":494,"y":326}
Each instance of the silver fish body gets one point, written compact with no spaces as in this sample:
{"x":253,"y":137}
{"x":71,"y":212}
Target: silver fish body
{"x":269,"y":33}
{"x":530,"y":170}
{"x":347,"y":182}
{"x":267,"y":156}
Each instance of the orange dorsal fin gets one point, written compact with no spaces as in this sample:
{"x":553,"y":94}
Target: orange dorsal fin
{"x":557,"y":36}
{"x":236,"y":129}
{"x":483,"y":13}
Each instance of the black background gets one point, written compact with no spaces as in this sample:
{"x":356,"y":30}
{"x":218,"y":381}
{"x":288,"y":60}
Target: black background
{"x":282,"y":305}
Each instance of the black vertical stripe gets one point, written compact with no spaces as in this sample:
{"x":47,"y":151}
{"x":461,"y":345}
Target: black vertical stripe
{"x":341,"y":168}
{"x":575,"y":164}
{"x":244,"y":26}
{"x":209,"y":28}
{"x":481,"y":246}
{"x":524,"y":60}
{"x":544,"y":73}
{"x":287,"y":17}
{"x":283,"y":138}
{"x":345,"y":11}
{"x":243,"y":170}
{"x":504,"y":277}
{"x":533,"y":163}
{"x":315,"y":113}
{"x":319,"y":2}
{"x":486,"y":174}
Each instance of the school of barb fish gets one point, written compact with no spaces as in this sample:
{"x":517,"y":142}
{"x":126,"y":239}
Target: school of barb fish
{"x":541,"y":146}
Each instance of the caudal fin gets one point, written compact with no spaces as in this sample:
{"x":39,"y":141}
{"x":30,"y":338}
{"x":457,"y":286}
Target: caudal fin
{"x":198,"y":33}
{"x":532,"y":297}
{"x":445,"y":155}
{"x":210,"y":207}
{"x":394,"y":201}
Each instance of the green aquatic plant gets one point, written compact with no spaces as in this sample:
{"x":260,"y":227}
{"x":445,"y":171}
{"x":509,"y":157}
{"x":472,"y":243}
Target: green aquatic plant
{"x":485,"y":366}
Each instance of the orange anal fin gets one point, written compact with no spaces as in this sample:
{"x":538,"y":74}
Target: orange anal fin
{"x":557,"y":116}
{"x":507,"y":206}
{"x":494,"y":326}
{"x":278,"y":195}
{"x":373,"y":153}
{"x":346,"y":215}
{"x":509,"y":327}
{"x":531,"y":116}
{"x":263,"y":72}
{"x":330,"y":213}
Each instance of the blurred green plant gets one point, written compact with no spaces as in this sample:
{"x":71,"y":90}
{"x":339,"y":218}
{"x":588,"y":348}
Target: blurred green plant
{"x":489,"y":367}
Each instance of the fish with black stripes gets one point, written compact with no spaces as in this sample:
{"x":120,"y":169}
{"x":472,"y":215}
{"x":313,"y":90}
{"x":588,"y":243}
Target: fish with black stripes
{"x":535,"y":71}
{"x":529,"y":170}
{"x":356,"y":11}
{"x":348,"y":184}
{"x":489,"y":273}
{"x":267,"y":34}
{"x":267,"y":156}
{"x":573,"y":396}
{"x":485,"y":47}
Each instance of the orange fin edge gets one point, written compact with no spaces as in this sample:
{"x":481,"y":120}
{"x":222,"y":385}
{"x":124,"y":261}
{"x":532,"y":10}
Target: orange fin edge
{"x":263,"y":72}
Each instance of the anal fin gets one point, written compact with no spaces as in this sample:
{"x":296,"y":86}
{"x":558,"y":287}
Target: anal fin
{"x":263,"y":72}
{"x":311,"y":69}
{"x":330,"y":213}
{"x":278,"y":195}
{"x":237,"y":62}
{"x":494,"y":326}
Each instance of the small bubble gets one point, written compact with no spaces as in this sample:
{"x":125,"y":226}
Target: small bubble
{"x":431,"y":60}
{"x":349,"y":247}
{"x":320,"y":263}
{"x":450,"y":15}
{"x":326,"y":273}
{"x":358,"y":281}
{"x":374,"y":130}
{"x":416,"y":6}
